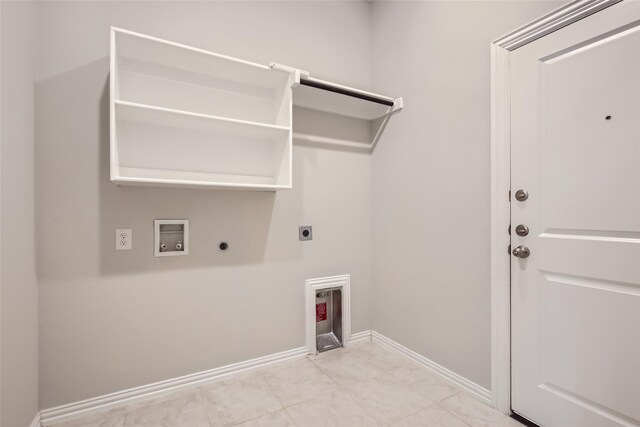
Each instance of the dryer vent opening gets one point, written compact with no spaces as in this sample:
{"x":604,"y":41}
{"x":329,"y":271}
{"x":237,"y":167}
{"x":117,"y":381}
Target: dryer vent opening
{"x":328,"y":319}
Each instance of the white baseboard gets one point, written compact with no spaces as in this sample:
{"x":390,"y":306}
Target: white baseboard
{"x":52,"y":416}
{"x":360,"y":336}
{"x":469,"y":386}
{"x":36,"y":421}
{"x":86,"y":407}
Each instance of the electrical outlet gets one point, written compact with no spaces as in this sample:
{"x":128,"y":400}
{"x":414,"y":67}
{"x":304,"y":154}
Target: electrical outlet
{"x":124,"y":237}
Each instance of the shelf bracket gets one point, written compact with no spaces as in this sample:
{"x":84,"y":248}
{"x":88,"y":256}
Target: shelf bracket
{"x":398,"y":104}
{"x":297,"y":73}
{"x":378,"y":124}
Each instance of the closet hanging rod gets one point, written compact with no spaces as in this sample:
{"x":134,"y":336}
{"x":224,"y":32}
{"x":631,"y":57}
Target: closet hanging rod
{"x":331,"y":87}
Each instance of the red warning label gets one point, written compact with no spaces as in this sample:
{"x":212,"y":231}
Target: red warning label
{"x":321,"y":312}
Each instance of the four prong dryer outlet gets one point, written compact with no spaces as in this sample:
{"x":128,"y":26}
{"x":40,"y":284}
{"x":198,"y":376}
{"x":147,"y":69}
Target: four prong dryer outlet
{"x":305,"y":232}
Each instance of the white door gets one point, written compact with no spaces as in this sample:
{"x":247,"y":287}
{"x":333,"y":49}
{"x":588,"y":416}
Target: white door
{"x":575,"y":141}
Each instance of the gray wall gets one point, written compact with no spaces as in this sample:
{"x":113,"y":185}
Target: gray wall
{"x":18,"y":285}
{"x":112,"y":320}
{"x":431,"y":175}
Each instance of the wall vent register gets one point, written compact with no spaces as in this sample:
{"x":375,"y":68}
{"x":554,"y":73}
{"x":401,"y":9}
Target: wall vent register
{"x":186,"y":117}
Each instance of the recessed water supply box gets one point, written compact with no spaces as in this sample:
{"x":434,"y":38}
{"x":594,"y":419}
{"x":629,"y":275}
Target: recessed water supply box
{"x":328,"y":319}
{"x":171,"y":237}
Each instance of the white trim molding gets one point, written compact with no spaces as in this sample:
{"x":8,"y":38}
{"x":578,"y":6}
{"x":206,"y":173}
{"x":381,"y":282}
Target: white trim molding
{"x":36,"y":421}
{"x":469,"y":386}
{"x":53,"y":416}
{"x":360,"y":337}
{"x":500,"y":223}
{"x":71,"y":411}
{"x":85,"y":407}
{"x":59,"y":414}
{"x":553,"y":21}
{"x":311,"y":286}
{"x":501,"y":183}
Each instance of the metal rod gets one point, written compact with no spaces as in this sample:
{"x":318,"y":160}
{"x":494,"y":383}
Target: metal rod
{"x":343,"y":91}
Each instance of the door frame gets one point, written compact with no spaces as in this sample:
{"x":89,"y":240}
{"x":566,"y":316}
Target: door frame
{"x":501,"y":183}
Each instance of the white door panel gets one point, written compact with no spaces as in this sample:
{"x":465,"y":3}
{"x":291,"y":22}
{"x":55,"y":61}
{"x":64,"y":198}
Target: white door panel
{"x":575,"y":147}
{"x":613,"y":261}
{"x":583,"y":153}
{"x":572,"y":360}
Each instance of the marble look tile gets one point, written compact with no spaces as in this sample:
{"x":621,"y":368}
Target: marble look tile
{"x":476,"y":413}
{"x":335,"y":409}
{"x":425,"y":382}
{"x":357,"y":363}
{"x":386,"y":364}
{"x":378,"y":379}
{"x":361,"y":385}
{"x":274,"y":419}
{"x":111,"y":418}
{"x":386,"y":399}
{"x":182,"y":409}
{"x":435,"y":391}
{"x":296,"y":381}
{"x":433,"y":416}
{"x":238,"y":399}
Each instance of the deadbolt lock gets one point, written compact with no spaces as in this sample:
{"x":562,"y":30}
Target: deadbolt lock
{"x":521,"y":252}
{"x":522,"y":230}
{"x":522,"y":195}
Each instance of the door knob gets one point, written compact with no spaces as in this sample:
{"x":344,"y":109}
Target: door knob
{"x":522,"y":195}
{"x":522,"y":230}
{"x":521,"y":252}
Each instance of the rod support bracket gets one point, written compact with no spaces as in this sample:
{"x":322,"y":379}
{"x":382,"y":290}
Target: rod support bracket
{"x":296,"y":72}
{"x":398,"y":104}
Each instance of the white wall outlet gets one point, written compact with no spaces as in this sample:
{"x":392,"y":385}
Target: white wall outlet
{"x":124,"y":237}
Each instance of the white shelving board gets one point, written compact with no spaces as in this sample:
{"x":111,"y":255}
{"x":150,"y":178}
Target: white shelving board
{"x":182,"y":116}
{"x":186,"y":117}
{"x":333,"y":98}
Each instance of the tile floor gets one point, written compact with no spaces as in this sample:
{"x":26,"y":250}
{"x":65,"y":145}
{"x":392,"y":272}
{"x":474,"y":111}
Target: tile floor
{"x":362,"y":385}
